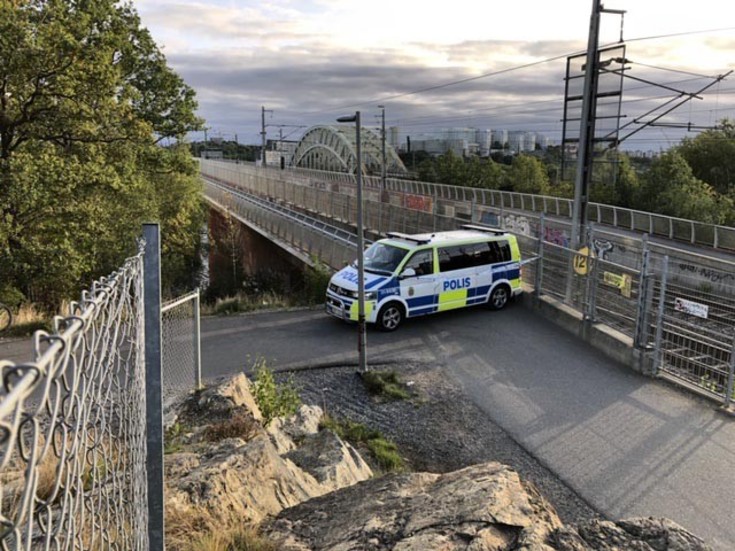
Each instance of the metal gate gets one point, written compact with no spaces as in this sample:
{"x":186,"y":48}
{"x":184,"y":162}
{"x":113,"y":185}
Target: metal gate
{"x":694,"y":330}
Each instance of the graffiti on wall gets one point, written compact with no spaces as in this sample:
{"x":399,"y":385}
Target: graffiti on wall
{"x":517,"y":224}
{"x":556,"y":237}
{"x":418,"y":202}
{"x":713,"y":276}
{"x":489,"y":219}
{"x":602,"y":247}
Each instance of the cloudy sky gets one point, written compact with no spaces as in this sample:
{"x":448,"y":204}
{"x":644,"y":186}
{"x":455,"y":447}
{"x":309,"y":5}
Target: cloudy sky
{"x":477,"y":63}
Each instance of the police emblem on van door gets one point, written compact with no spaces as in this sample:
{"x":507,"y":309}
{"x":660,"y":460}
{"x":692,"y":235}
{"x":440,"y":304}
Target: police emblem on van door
{"x":411,"y":291}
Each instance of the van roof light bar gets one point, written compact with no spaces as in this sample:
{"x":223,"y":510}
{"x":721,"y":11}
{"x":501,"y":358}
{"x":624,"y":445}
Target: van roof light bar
{"x":421,"y":240}
{"x":486,"y":229}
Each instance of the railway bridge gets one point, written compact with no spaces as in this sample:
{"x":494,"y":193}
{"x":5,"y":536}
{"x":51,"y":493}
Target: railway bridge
{"x":654,"y":292}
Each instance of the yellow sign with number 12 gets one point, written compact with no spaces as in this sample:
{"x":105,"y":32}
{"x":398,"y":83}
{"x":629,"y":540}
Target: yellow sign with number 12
{"x":581,"y":264}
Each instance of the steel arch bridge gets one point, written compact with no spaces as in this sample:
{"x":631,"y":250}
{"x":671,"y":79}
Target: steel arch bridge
{"x":333,"y":148}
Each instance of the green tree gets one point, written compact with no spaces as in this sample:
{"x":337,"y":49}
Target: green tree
{"x":484,"y":173}
{"x":528,"y":175}
{"x":86,"y":100}
{"x":450,"y":169}
{"x":614,"y":181}
{"x":671,"y":188}
{"x":711,"y":156}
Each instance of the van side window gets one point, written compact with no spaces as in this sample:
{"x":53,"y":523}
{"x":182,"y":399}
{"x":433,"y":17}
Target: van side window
{"x":473,"y":254}
{"x":422,"y":262}
{"x":499,"y":251}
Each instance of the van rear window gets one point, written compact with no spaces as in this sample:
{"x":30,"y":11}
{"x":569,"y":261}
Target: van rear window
{"x":458,"y":257}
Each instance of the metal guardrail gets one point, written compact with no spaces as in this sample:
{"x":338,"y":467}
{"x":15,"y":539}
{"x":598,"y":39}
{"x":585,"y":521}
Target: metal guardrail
{"x":676,"y":229}
{"x":310,"y":236}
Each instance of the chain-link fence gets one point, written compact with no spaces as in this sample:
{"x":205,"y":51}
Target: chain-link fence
{"x":73,"y":427}
{"x":180,"y":345}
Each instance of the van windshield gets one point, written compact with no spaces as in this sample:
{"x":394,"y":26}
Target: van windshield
{"x":382,"y":258}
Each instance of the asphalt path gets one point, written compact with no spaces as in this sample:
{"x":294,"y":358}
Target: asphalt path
{"x":629,"y":445}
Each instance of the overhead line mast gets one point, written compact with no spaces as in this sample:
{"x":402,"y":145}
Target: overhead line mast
{"x":587,"y":124}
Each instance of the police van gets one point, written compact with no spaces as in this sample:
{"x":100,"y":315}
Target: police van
{"x":414,"y":275}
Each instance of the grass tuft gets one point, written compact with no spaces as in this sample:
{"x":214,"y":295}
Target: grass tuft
{"x":195,"y":528}
{"x":383,"y":451}
{"x":385,"y":384}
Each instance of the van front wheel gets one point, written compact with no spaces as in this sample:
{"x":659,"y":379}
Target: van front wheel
{"x":390,"y":316}
{"x":499,"y":297}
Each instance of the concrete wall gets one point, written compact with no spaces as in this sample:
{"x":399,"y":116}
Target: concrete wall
{"x":254,"y":256}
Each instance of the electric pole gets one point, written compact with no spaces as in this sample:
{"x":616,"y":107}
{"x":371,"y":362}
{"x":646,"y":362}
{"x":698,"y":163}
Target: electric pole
{"x":263,"y":111}
{"x":587,"y":126}
{"x":586,"y":129}
{"x":382,"y":136}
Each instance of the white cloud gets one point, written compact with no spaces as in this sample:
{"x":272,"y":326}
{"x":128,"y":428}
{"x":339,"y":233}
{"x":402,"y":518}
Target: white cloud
{"x":305,"y":56}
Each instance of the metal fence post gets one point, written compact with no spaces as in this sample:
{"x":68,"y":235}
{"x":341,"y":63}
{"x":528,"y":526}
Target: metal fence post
{"x":657,"y":352}
{"x":643,"y":302}
{"x":197,"y":340}
{"x":592,"y":275}
{"x":153,"y":400}
{"x":730,"y":377}
{"x":540,"y":255}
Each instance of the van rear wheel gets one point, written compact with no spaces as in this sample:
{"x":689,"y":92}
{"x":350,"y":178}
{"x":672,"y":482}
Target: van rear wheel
{"x":499,"y":297}
{"x":390,"y":317}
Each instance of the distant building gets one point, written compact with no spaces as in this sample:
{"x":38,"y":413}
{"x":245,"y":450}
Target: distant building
{"x":469,"y":141}
{"x":212,"y":153}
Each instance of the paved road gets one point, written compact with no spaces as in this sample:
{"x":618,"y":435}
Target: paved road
{"x":629,"y":445}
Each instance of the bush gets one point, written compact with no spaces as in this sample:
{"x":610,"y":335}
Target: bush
{"x":316,"y":280}
{"x":274,"y":399}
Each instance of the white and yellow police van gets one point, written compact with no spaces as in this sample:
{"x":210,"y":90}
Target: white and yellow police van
{"x":414,"y":275}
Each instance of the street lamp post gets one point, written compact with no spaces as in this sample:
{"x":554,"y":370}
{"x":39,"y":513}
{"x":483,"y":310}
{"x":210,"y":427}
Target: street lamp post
{"x":361,"y":333}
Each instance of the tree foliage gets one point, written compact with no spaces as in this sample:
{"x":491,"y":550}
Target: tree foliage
{"x":711,"y":156}
{"x":671,"y":188}
{"x":528,"y":175}
{"x":86,"y":103}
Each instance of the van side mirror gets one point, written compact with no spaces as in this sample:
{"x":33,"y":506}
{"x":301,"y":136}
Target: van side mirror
{"x":408,"y":272}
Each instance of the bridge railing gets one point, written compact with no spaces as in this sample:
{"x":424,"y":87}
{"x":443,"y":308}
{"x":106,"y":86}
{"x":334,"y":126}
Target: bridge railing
{"x":305,"y":236}
{"x":468,"y":201}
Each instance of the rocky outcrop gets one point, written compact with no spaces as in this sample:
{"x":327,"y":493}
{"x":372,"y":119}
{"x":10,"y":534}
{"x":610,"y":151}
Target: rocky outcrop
{"x":640,"y":534}
{"x":310,"y":491}
{"x":482,"y":507}
{"x":261,"y":472}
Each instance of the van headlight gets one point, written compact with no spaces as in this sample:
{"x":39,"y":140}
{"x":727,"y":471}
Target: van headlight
{"x":371,"y":295}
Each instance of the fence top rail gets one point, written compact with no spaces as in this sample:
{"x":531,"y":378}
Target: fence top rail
{"x":173,"y":303}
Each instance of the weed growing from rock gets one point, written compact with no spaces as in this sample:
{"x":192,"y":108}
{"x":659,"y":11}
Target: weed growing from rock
{"x":383,"y":451}
{"x":274,"y":399}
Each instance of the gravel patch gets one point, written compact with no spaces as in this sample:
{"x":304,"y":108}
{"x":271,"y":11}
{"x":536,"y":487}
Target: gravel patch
{"x":438,"y":430}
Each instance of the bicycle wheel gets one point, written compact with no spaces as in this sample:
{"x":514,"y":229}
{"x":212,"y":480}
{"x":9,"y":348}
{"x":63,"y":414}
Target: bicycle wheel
{"x":6,"y":317}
